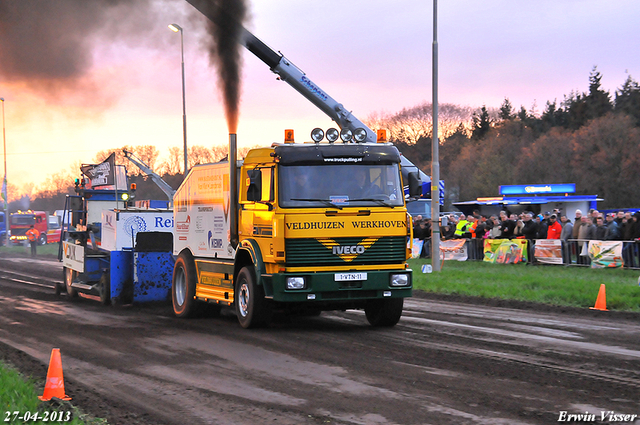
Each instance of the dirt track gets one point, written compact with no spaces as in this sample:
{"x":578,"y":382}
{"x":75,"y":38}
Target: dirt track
{"x":445,"y":362}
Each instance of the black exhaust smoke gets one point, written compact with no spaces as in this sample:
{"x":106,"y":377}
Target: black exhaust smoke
{"x":226,"y":30}
{"x":47,"y":46}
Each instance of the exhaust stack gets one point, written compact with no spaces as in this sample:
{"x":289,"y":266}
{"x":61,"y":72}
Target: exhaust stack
{"x":233,"y":189}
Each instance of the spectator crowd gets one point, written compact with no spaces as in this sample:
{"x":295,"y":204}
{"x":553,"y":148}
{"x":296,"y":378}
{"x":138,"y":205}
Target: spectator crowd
{"x":618,"y":226}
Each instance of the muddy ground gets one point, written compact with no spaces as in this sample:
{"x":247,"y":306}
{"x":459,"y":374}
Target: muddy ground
{"x":449,"y":360}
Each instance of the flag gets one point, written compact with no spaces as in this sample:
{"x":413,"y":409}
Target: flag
{"x":102,"y":174}
{"x":4,"y":192}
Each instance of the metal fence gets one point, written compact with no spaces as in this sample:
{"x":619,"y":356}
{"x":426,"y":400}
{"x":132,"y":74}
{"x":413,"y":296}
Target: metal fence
{"x":574,"y":252}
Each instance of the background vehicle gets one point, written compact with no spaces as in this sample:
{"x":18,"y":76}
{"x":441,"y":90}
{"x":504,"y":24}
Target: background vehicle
{"x":21,"y":221}
{"x":419,"y":206}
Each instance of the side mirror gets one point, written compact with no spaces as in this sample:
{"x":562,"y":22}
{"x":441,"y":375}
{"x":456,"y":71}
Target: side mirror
{"x":254,"y":191}
{"x":77,"y":213}
{"x":415,"y":185}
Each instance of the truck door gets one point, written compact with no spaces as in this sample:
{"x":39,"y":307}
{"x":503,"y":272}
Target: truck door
{"x":257,"y":200}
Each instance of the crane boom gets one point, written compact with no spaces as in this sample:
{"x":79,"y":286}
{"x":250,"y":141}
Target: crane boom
{"x":290,"y":74}
{"x":164,"y":186}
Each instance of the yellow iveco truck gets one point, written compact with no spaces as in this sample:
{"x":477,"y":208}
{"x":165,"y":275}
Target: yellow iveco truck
{"x":312,"y":226}
{"x":300,"y":227}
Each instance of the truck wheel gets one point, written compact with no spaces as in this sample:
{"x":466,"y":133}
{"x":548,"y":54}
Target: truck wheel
{"x":43,"y":239}
{"x":105,"y":288}
{"x":68,"y":276}
{"x":252,"y":308}
{"x":183,"y":287}
{"x":385,"y":312}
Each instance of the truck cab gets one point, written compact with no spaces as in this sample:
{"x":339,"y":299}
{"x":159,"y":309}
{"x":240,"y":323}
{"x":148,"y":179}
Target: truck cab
{"x":21,"y":221}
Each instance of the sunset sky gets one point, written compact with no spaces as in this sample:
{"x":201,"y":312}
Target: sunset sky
{"x":79,"y":79}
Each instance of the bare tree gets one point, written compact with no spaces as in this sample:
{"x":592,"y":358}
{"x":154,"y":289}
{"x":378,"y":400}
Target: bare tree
{"x":219,"y":152}
{"x":101,"y":156}
{"x":56,"y":183}
{"x":173,"y":164}
{"x":13,"y":192}
{"x":198,"y":154}
{"x":148,"y":154}
{"x":411,"y":124}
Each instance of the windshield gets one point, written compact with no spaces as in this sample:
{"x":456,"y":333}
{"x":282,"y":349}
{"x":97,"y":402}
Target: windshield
{"x":23,"y":219}
{"x":340,"y":186}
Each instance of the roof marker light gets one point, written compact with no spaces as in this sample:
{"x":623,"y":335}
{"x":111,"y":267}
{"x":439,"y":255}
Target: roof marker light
{"x":382,"y":136}
{"x":288,"y":136}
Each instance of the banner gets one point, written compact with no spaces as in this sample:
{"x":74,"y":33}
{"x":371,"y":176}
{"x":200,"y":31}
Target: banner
{"x":605,"y":254}
{"x":417,"y":248}
{"x":505,"y":251}
{"x":102,"y":174}
{"x":455,"y":249}
{"x":73,"y":256}
{"x":4,"y":193}
{"x":548,"y":251}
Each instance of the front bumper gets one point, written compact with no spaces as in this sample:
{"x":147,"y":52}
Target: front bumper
{"x":322,"y":287}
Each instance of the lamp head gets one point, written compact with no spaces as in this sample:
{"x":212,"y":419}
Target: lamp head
{"x":175,"y":27}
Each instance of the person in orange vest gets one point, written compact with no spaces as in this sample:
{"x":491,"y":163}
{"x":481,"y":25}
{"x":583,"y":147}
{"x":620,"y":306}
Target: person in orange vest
{"x":554,"y":228}
{"x":33,"y":235}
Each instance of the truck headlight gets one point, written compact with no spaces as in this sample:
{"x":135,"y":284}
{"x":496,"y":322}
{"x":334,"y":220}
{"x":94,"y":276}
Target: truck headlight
{"x":296,"y":283}
{"x":399,"y":279}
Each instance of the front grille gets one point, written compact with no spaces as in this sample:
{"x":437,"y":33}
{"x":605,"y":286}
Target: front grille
{"x":314,"y":252}
{"x":349,"y":295}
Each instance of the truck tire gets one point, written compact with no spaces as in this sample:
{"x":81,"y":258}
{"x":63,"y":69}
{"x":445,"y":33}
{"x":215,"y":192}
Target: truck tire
{"x":105,"y":288}
{"x":183,"y":287}
{"x":252,"y":307}
{"x":385,"y":312}
{"x":43,"y":239}
{"x":68,"y":276}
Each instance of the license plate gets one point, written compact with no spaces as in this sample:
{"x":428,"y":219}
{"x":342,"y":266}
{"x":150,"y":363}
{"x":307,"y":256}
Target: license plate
{"x":341,"y":277}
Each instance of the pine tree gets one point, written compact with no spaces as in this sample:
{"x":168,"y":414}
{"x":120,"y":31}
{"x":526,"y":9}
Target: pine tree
{"x":598,"y":101}
{"x":506,"y":110}
{"x":576,"y":106}
{"x":552,"y":116}
{"x":628,"y":99}
{"x":481,"y":123}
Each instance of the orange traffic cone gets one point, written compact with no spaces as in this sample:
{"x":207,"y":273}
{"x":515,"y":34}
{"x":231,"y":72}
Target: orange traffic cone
{"x":54,"y":387}
{"x":601,"y":301}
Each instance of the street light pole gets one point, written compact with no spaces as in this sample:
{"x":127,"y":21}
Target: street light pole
{"x":4,"y":182}
{"x":435,"y":165}
{"x":178,"y":28}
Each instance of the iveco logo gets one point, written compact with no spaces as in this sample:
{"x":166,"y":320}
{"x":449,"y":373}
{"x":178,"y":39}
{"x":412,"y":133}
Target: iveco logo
{"x":353,"y":249}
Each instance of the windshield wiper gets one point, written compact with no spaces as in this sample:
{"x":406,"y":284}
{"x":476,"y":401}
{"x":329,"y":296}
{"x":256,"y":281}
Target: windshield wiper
{"x":379,"y":201}
{"x":324,"y":201}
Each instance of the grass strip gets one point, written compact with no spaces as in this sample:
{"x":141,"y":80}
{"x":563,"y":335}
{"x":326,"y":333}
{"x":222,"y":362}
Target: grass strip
{"x":18,"y":398}
{"x":548,"y":284}
{"x":48,"y":249}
